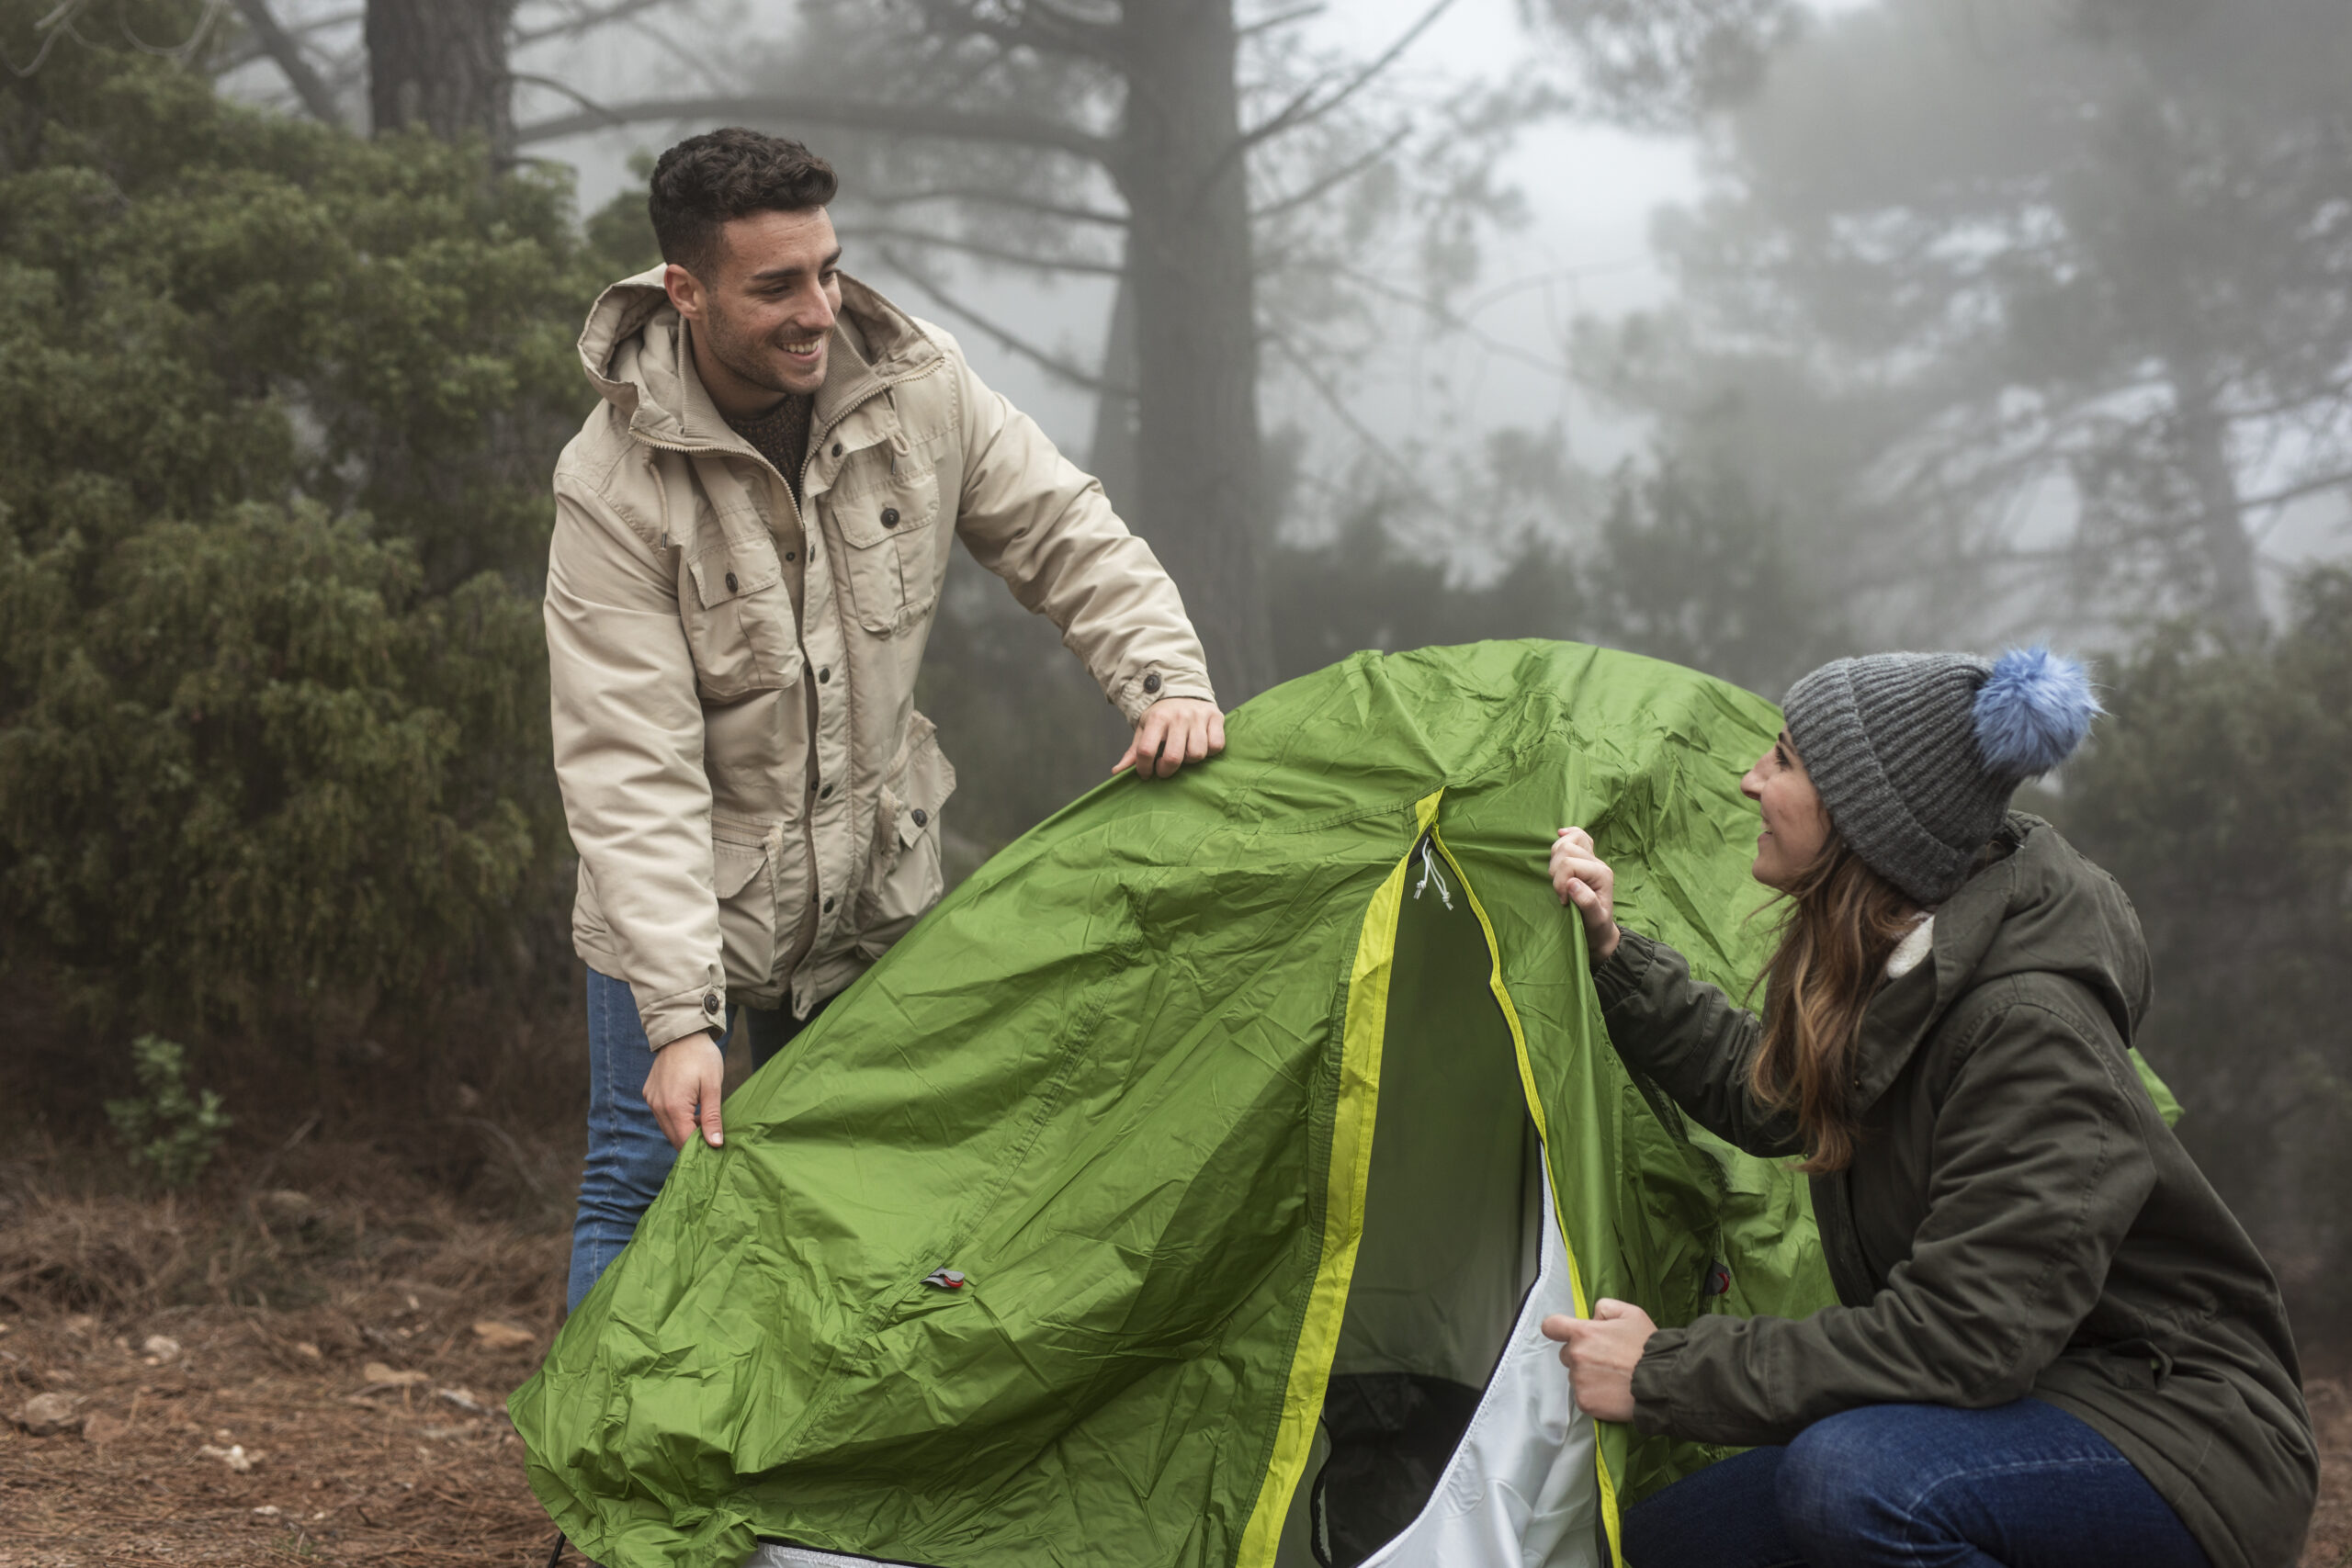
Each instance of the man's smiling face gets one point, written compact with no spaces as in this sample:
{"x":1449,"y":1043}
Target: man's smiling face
{"x":764,"y":322}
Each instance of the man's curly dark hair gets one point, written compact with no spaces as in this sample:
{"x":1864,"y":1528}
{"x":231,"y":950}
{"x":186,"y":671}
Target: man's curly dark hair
{"x":708,"y":179}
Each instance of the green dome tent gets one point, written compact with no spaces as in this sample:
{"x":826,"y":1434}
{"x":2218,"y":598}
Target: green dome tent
{"x":1260,"y":1116}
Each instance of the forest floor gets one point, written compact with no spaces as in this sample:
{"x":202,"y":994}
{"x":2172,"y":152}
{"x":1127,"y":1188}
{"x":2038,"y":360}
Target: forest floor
{"x":272,"y":1377}
{"x":283,"y":1377}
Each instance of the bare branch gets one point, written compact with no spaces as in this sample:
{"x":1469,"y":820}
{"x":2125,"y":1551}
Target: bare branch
{"x":251,"y":49}
{"x":1303,"y":108}
{"x":587,"y":18}
{"x":184,"y":51}
{"x":1035,"y":24}
{"x":884,"y":234}
{"x":988,"y":198}
{"x":1044,"y":358}
{"x":1381,"y":449}
{"x":2297,"y":491}
{"x":1088,"y":35}
{"x":1334,"y":180}
{"x":857,"y":114}
{"x":2334,"y":391}
{"x":1279,"y":19}
{"x":1062,"y":13}
{"x":553,"y":85}
{"x":56,"y":25}
{"x":1451,"y":321}
{"x":700,"y":65}
{"x":282,"y":46}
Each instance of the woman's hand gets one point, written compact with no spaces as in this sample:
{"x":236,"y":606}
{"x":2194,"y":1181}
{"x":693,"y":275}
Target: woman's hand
{"x":1581,"y":877}
{"x":1600,"y":1353}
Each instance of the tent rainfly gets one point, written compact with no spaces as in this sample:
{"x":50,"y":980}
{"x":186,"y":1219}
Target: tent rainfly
{"x":1185,"y":1190}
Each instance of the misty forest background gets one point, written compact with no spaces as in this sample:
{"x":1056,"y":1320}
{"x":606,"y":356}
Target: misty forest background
{"x":1990,"y":320}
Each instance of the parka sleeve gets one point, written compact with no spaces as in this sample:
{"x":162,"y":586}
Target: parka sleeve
{"x":2038,"y":1166}
{"x":628,"y":759}
{"x":1688,"y":1038}
{"x":1031,"y":516}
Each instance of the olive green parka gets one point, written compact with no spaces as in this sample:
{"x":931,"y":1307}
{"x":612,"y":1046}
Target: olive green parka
{"x":2018,"y":1219}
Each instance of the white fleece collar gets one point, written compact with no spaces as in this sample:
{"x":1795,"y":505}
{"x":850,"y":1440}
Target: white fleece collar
{"x":1914,"y":948}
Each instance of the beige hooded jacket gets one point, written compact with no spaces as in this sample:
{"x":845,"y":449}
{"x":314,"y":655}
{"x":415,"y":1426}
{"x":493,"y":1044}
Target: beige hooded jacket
{"x":753,"y":796}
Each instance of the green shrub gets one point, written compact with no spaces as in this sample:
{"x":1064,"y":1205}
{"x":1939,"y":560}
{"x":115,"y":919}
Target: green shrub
{"x":278,"y":409}
{"x":2219,"y":794}
{"x":169,"y":1130}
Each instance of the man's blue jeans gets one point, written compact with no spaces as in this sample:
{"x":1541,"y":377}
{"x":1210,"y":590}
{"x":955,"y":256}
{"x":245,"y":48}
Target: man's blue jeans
{"x":627,"y":1156}
{"x":2022,"y":1485}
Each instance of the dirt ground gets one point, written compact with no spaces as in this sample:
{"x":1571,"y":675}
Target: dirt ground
{"x":341,"y":1394}
{"x":243,"y":1448}
{"x":347,"y":1401}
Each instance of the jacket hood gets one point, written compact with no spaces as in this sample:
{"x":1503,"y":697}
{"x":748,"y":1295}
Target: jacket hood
{"x":2037,"y":905}
{"x":634,"y":351}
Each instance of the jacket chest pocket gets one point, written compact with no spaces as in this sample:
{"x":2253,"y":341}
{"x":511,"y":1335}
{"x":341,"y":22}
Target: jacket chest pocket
{"x":892,"y":534}
{"x":739,"y":620}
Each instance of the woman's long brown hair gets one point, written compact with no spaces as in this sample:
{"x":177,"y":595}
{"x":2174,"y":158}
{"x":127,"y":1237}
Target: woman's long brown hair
{"x":1840,"y":924}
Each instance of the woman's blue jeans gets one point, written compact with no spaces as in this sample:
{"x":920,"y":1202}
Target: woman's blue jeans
{"x":2022,"y":1485}
{"x":627,"y":1156}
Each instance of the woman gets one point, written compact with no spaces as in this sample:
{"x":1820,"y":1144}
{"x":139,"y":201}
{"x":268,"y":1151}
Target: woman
{"x":2054,"y":1345}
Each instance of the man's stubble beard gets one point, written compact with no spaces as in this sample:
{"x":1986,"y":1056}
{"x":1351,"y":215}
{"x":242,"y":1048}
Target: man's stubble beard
{"x":739,"y":354}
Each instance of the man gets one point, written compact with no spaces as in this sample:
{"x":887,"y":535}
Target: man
{"x":750,"y":535}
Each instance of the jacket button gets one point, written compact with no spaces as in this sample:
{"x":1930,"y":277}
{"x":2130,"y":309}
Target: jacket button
{"x":921,"y":816}
{"x":731,"y":582}
{"x":791,"y":555}
{"x":711,"y":1002}
{"x":1151,"y":681}
{"x":829,"y":906}
{"x":825,"y":676}
{"x":825,"y":792}
{"x":837,"y":448}
{"x":889,"y":517}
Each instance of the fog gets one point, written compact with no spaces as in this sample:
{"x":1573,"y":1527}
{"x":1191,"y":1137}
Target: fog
{"x":1733,"y":331}
{"x":1741,"y":334}
{"x":1581,"y":247}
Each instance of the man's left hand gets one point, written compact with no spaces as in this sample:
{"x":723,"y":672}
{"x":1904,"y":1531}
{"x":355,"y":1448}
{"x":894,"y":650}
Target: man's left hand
{"x":1600,"y":1353}
{"x":1172,"y":732}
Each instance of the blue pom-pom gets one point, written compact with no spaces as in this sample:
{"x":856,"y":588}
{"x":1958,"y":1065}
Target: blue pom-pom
{"x":2033,"y":711}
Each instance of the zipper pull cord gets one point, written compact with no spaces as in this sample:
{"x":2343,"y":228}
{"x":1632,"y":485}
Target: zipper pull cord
{"x":1428,"y":870}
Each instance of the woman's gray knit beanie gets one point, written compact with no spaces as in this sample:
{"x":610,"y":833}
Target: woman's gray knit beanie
{"x":1915,"y":754}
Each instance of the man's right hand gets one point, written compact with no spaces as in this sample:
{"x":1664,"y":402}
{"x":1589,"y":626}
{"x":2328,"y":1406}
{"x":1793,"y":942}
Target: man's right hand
{"x":684,"y":1088}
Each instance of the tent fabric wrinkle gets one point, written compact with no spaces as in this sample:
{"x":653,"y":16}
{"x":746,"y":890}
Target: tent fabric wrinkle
{"x":1265,"y":1111}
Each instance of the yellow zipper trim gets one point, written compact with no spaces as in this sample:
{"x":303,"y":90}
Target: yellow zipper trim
{"x":1608,"y":1510}
{"x":1362,"y":1035}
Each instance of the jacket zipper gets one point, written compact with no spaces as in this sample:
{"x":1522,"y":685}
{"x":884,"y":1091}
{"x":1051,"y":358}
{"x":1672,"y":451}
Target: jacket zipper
{"x":816,"y":437}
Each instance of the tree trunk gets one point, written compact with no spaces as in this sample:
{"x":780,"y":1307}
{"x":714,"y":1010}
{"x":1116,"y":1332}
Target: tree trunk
{"x":442,"y":64}
{"x":1111,"y":454}
{"x":2235,"y":598}
{"x":1200,"y":492}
